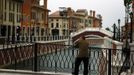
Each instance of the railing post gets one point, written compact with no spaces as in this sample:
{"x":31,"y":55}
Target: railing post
{"x":15,"y":49}
{"x":109,"y":63}
{"x":35,"y":58}
{"x":132,"y":57}
{"x":55,"y":57}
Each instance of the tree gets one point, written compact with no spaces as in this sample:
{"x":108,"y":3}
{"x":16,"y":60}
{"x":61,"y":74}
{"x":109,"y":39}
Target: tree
{"x":127,"y":2}
{"x":108,"y":29}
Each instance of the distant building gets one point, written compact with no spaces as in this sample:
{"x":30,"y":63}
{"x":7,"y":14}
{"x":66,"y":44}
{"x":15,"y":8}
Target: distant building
{"x":65,"y":21}
{"x":34,"y":22}
{"x":10,"y":15}
{"x":62,"y":22}
{"x":126,"y":29}
{"x":82,"y":14}
{"x":58,"y":25}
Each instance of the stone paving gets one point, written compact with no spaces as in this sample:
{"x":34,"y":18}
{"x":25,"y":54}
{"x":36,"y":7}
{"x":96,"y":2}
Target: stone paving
{"x":15,"y":74}
{"x":21,"y":72}
{"x":3,"y":73}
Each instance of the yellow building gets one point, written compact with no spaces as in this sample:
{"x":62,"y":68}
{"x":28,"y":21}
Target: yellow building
{"x":10,"y":15}
{"x":23,"y":18}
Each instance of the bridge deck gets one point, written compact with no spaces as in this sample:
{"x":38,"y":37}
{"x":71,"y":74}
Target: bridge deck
{"x":21,"y":72}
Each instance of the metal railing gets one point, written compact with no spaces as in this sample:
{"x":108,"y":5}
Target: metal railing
{"x":58,"y":57}
{"x":25,"y":39}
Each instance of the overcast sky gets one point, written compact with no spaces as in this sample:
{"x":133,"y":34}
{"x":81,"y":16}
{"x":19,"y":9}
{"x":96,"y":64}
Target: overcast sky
{"x":111,"y":10}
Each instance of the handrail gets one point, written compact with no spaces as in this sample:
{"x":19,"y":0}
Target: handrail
{"x":60,"y":57}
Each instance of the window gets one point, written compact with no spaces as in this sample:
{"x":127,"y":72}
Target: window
{"x":42,"y":16}
{"x":3,"y":30}
{"x":89,"y":21}
{"x":64,"y":25}
{"x":37,"y":30}
{"x":17,"y":7}
{"x":11,"y":17}
{"x":13,"y":6}
{"x":51,"y":19}
{"x":42,"y":32}
{"x":5,"y":4}
{"x":52,"y":25}
{"x":5,"y":17}
{"x":10,"y":6}
{"x":18,"y":17}
{"x":33,"y":15}
{"x":57,"y":25}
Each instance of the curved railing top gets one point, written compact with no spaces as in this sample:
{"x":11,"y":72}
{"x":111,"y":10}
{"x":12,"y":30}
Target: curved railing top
{"x":110,"y":34}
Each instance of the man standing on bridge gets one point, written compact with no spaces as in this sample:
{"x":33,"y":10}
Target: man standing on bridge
{"x":83,"y":55}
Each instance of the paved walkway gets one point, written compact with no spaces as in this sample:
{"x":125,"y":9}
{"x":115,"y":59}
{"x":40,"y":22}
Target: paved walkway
{"x":21,"y":72}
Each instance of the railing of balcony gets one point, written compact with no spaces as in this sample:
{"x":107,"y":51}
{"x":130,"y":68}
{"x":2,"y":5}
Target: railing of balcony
{"x":57,"y":57}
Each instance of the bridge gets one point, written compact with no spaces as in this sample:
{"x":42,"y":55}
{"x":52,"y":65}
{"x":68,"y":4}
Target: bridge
{"x":57,"y":56}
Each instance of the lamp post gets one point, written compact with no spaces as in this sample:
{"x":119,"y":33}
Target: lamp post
{"x":114,"y":31}
{"x":118,"y":29}
{"x":131,"y":32}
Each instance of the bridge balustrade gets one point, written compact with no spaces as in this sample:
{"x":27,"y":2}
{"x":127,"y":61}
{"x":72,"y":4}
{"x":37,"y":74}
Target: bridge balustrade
{"x":58,"y":57}
{"x":25,"y":39}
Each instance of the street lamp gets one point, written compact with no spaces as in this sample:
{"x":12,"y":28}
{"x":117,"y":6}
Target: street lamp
{"x":119,"y":29}
{"x":131,"y":32}
{"x":114,"y":31}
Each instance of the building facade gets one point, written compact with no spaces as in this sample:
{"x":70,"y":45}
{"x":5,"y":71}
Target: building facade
{"x":67,"y":21}
{"x":10,"y":15}
{"x":126,"y":30}
{"x":23,"y":18}
{"x":58,"y":25}
{"x":63,"y":22}
{"x":35,"y":17}
{"x":93,"y":20}
{"x":82,"y":14}
{"x":127,"y":35}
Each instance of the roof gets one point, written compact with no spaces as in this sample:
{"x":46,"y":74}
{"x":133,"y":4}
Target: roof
{"x":55,"y":14}
{"x":81,"y":10}
{"x":39,"y":7}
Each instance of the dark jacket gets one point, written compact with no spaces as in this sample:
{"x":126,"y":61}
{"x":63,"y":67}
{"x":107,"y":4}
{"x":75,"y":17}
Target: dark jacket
{"x":83,"y":48}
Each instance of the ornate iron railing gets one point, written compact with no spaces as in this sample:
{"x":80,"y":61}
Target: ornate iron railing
{"x":58,"y":57}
